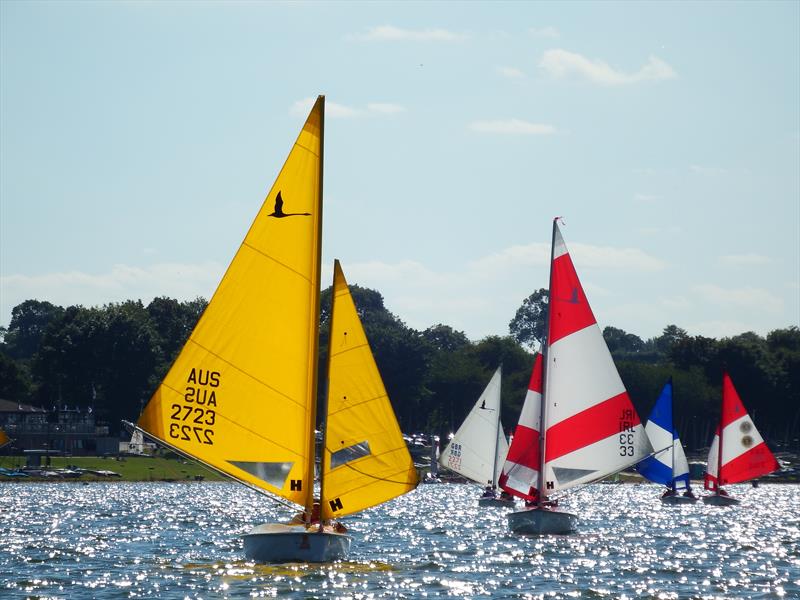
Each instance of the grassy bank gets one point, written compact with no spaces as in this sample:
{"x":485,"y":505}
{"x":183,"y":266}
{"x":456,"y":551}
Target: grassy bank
{"x":130,"y":468}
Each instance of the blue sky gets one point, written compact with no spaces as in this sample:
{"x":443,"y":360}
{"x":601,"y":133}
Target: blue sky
{"x":138,"y":139}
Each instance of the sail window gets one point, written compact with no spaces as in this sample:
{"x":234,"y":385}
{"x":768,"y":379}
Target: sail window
{"x":349,"y":454}
{"x":274,"y":473}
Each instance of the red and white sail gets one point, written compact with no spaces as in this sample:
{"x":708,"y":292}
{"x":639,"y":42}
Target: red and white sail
{"x":591,"y":427}
{"x":745,"y":456}
{"x":521,"y":470}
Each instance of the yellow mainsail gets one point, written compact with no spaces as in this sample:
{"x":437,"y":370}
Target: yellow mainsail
{"x":365,"y":460}
{"x":241,"y":395}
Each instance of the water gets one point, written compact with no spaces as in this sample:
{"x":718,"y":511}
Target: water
{"x":181,"y":540}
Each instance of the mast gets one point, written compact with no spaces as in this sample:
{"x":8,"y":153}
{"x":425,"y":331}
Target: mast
{"x":672,"y":431}
{"x":497,"y":432}
{"x":542,"y":415}
{"x":313,"y":359}
{"x":719,"y":448}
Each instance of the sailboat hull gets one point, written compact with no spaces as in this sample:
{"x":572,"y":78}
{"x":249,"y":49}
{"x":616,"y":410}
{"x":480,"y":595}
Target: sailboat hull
{"x":718,"y":500}
{"x":539,"y":521}
{"x":276,"y":543}
{"x":496,"y":502}
{"x":674,"y":500}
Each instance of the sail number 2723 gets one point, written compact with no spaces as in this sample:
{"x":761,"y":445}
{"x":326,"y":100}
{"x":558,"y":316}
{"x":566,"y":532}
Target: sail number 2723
{"x":195,"y":418}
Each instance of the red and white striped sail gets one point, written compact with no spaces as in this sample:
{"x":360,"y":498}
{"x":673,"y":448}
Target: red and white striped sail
{"x":745,"y":456}
{"x":591,"y":427}
{"x":521,"y":470}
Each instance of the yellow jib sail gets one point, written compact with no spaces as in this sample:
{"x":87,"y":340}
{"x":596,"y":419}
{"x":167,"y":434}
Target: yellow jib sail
{"x":241,"y":395}
{"x":365,"y":460}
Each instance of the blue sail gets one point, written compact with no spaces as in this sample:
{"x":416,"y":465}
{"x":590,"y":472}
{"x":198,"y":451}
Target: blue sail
{"x":658,"y":468}
{"x":668,"y":465}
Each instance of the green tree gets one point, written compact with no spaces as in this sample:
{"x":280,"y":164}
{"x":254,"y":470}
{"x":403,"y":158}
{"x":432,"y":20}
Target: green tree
{"x":29,"y":321}
{"x":529,"y":325}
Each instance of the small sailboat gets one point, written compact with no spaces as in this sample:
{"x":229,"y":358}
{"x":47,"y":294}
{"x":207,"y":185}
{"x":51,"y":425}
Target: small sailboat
{"x":433,"y":473}
{"x":478,"y":449}
{"x":579,"y":422}
{"x":744,"y":454}
{"x":4,"y":439}
{"x":668,"y":466}
{"x":241,"y":397}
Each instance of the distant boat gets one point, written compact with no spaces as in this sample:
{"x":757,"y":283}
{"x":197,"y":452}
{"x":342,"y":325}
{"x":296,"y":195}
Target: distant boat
{"x":479,"y":447}
{"x":242,"y":395}
{"x":433,"y":472}
{"x":668,"y":466}
{"x":579,"y":404}
{"x":4,"y":439}
{"x":744,"y":455}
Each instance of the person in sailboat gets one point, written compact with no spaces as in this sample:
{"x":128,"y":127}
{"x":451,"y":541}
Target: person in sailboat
{"x":302,"y":518}
{"x":488,"y":492}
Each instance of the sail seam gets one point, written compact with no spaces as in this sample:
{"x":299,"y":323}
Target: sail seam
{"x":276,"y":261}
{"x":351,"y":406}
{"x":242,"y":371}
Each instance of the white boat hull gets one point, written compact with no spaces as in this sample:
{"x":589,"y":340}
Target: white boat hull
{"x":539,"y":521}
{"x":277,"y":543}
{"x":678,"y":499}
{"x":718,"y":500}
{"x":496,"y":502}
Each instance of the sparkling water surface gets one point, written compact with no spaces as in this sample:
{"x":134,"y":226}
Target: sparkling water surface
{"x":183,"y":540}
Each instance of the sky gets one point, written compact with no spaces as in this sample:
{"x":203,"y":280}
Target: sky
{"x":138,"y":140}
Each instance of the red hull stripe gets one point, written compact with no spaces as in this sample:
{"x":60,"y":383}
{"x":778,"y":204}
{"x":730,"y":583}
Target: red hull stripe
{"x":754,"y":463}
{"x":569,"y":308}
{"x":597,"y":423}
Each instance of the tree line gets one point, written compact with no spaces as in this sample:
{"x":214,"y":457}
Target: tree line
{"x":111,"y":358}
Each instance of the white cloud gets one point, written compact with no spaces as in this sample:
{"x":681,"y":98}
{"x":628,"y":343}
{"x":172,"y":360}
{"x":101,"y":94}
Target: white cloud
{"x":717,"y":328}
{"x":512,"y":126}
{"x":562,"y":63}
{"x":123,"y":282}
{"x":748,"y":297}
{"x":646,"y":198}
{"x":333,"y":110}
{"x":385,"y":108}
{"x":545,"y":32}
{"x":701,"y":170}
{"x":744,"y":260}
{"x":589,"y":256}
{"x":389,"y":33}
{"x":511,"y":72}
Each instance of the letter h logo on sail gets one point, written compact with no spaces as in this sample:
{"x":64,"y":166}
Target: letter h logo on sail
{"x":336,"y":504}
{"x":296,"y":485}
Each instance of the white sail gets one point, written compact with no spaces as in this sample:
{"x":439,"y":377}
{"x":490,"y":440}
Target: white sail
{"x":479,"y":447}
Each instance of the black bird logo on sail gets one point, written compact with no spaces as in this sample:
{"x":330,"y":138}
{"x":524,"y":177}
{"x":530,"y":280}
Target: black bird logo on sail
{"x":278,"y":212}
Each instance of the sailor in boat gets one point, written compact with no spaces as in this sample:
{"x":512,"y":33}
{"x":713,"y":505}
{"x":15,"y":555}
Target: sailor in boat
{"x":669,"y":492}
{"x":504,"y":495}
{"x":488,"y":492}
{"x":688,"y":493}
{"x":302,"y":518}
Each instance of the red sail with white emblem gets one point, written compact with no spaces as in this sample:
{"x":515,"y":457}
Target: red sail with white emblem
{"x":521,"y":471}
{"x":745,"y":456}
{"x":591,"y":427}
